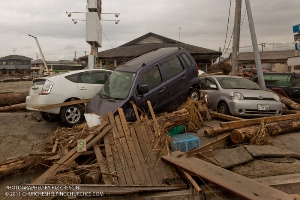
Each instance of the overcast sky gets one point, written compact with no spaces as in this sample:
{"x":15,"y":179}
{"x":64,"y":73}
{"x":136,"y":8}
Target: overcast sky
{"x":198,"y":22}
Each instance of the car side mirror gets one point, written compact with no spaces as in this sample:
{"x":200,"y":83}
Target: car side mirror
{"x":213,"y":86}
{"x":143,"y":89}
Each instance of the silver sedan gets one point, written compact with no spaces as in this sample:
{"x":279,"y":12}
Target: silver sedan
{"x":239,"y":97}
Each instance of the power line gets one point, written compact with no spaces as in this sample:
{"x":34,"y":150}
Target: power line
{"x":228,"y":20}
{"x":107,"y":39}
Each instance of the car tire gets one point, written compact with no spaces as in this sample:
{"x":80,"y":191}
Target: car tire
{"x":223,"y":108}
{"x":194,"y":94}
{"x":49,"y":117}
{"x":72,"y":115}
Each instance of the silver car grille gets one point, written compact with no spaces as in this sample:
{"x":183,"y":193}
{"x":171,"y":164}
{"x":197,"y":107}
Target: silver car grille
{"x":256,"y":98}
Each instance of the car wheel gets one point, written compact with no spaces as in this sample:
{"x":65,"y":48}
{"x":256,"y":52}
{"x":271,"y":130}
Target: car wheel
{"x":194,"y":94}
{"x":72,"y":115}
{"x":49,"y":117}
{"x":223,"y":108}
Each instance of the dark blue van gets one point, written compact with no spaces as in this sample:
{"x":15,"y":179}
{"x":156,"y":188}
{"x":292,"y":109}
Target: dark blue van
{"x":165,"y":77}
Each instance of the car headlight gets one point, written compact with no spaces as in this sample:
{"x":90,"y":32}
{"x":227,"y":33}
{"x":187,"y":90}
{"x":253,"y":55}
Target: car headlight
{"x":276,"y":97}
{"x":237,"y":96}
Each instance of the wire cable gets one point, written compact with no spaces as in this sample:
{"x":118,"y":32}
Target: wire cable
{"x":107,"y":39}
{"x":228,"y":20}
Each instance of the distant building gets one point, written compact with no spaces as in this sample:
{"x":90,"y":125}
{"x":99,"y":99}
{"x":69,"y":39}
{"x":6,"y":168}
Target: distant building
{"x":294,"y":64}
{"x":37,"y":66}
{"x":272,"y":60}
{"x":149,"y":42}
{"x":15,"y":64}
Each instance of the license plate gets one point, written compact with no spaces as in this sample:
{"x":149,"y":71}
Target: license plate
{"x":263,"y":107}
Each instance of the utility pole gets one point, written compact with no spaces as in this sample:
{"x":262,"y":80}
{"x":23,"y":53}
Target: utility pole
{"x":262,"y":46}
{"x":236,"y":38}
{"x":261,"y":80}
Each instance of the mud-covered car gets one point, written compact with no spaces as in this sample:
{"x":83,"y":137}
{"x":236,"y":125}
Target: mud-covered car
{"x":239,"y":96}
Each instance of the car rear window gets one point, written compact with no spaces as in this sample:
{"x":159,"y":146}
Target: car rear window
{"x":277,"y":79}
{"x":186,"y":59}
{"x":73,"y":77}
{"x":39,"y":81}
{"x":172,"y":67}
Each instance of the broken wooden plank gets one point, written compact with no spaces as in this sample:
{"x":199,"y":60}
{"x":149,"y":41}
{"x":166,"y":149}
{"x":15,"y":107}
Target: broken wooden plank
{"x":71,"y":155}
{"x":131,"y":147}
{"x":209,"y":145}
{"x":102,"y":165}
{"x":156,"y":125}
{"x":235,"y":183}
{"x":61,"y":104}
{"x":135,"y":111}
{"x":145,"y":149}
{"x":192,"y":181}
{"x":140,"y":156}
{"x":250,"y":122}
{"x":145,"y":140}
{"x":223,"y":116}
{"x":164,"y":169}
{"x":118,"y":154}
{"x":55,"y":146}
{"x":126,"y":152}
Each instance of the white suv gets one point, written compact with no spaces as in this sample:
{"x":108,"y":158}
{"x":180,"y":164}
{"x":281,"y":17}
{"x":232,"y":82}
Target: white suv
{"x":75,"y":85}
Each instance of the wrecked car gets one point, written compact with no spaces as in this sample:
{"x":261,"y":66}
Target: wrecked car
{"x":165,"y":77}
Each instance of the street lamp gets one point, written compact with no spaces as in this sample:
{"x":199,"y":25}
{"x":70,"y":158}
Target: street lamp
{"x":69,"y":14}
{"x":37,"y":42}
{"x":75,"y":20}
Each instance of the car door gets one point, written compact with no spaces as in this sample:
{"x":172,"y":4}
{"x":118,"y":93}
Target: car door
{"x":158,"y":94}
{"x":175,"y":76}
{"x":91,"y":82}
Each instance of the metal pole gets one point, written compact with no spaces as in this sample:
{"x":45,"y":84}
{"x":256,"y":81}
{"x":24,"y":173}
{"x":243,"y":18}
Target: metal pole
{"x":236,"y":38}
{"x":37,"y":42}
{"x":261,"y":80}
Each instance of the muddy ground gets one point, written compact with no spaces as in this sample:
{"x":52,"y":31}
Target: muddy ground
{"x":21,"y":132}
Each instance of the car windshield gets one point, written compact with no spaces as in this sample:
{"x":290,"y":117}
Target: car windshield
{"x":237,"y":83}
{"x":118,"y":85}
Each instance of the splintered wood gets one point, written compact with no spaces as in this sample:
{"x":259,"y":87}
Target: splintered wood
{"x":115,"y":153}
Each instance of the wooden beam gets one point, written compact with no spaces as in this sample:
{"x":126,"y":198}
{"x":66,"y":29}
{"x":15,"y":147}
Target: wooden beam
{"x":132,"y":149}
{"x":192,"y":181}
{"x":226,"y":117}
{"x":102,"y":165}
{"x":209,"y":145}
{"x":234,"y":183}
{"x":256,"y":121}
{"x":61,"y":104}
